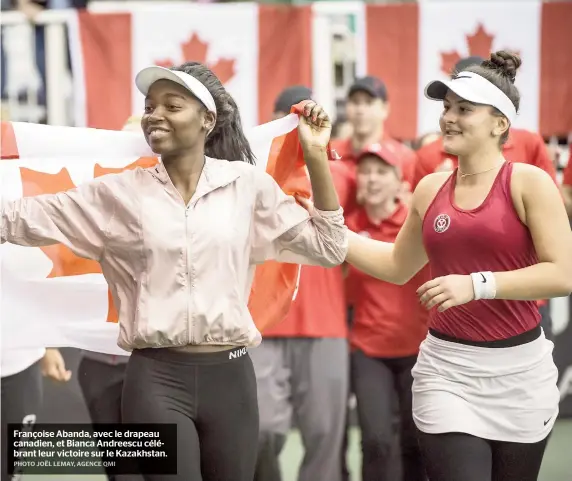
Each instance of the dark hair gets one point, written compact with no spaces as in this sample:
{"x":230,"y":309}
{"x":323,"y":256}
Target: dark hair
{"x":227,"y":140}
{"x":500,"y":70}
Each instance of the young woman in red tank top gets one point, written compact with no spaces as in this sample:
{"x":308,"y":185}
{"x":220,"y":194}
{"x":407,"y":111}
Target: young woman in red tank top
{"x":497,"y":238}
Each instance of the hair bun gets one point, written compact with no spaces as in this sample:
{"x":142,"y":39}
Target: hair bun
{"x":505,"y":63}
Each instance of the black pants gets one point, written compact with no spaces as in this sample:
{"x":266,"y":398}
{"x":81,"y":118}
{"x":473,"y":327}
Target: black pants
{"x":101,"y":385}
{"x":458,"y":456}
{"x":375,"y":382}
{"x":21,"y":403}
{"x":211,"y":397}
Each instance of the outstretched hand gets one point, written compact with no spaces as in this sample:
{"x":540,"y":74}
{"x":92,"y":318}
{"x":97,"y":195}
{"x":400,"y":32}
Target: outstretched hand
{"x":315,"y":127}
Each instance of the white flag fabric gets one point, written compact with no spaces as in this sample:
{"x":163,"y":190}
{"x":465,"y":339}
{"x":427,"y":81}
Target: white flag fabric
{"x":49,"y":297}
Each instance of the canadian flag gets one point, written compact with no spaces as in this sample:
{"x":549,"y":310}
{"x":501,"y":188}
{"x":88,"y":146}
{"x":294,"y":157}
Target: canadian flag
{"x":52,"y":298}
{"x":409,"y":45}
{"x":255,"y":50}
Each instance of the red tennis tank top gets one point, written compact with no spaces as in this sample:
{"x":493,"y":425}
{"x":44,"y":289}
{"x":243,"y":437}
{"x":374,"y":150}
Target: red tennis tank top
{"x":488,"y":238}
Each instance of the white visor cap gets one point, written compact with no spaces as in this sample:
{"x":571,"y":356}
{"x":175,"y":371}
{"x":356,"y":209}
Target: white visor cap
{"x":148,"y":76}
{"x":474,"y":88}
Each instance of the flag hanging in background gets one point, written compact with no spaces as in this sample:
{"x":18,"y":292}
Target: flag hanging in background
{"x":258,"y":50}
{"x":52,"y":298}
{"x":255,"y":50}
{"x":409,"y":45}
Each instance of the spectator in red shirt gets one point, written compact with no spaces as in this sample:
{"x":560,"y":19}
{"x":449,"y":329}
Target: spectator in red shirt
{"x":303,"y":362}
{"x":367,"y":108}
{"x":388,"y":327}
{"x":567,"y":184}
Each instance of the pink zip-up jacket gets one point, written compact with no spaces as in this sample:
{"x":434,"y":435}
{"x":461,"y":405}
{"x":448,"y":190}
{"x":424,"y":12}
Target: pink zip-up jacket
{"x":180,"y":274}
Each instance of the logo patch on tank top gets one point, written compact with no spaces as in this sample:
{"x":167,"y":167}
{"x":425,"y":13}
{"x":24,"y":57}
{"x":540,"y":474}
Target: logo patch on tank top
{"x":442,"y":223}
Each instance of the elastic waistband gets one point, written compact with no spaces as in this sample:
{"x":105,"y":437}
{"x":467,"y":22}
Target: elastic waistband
{"x":185,"y":357}
{"x":514,"y":341}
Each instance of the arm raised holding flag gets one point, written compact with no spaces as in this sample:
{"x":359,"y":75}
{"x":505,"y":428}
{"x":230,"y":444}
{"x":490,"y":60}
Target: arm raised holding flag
{"x":314,"y":131}
{"x":283,"y":230}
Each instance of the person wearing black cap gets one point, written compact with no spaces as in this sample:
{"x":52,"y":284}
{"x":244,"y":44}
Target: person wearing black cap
{"x":301,"y":366}
{"x":289,"y":97}
{"x":522,"y":146}
{"x":367,"y":108}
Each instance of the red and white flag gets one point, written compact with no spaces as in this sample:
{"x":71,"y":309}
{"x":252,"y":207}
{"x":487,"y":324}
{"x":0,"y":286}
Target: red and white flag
{"x":255,"y":50}
{"x":52,"y":298}
{"x":409,"y":45}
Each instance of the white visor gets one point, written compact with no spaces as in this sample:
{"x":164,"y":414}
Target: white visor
{"x":148,"y":76}
{"x":474,"y":88}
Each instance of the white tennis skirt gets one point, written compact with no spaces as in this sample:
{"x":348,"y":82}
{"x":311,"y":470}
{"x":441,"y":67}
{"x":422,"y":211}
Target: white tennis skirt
{"x":502,"y":394}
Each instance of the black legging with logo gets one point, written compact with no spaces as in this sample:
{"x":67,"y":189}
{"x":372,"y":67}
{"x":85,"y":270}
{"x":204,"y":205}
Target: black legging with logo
{"x":212,"y":399}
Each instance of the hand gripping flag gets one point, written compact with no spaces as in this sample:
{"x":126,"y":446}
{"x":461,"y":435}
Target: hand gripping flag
{"x":52,"y":298}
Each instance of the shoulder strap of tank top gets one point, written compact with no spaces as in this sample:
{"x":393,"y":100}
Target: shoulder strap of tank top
{"x":506,"y":175}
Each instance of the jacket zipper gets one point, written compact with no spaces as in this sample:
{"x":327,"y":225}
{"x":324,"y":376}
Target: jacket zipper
{"x":189,"y":277}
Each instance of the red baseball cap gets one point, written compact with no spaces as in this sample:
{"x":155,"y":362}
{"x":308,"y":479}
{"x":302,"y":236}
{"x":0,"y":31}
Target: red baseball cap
{"x":385,"y":152}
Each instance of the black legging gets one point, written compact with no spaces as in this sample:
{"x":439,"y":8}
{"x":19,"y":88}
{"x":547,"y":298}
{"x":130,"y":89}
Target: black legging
{"x":462,"y":457}
{"x":212,"y":399}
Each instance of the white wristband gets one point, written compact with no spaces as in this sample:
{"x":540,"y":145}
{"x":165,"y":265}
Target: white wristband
{"x":484,"y":285}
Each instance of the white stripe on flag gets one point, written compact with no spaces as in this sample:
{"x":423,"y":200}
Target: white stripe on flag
{"x":448,"y":27}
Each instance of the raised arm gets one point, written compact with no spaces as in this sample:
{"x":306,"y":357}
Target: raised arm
{"x":77,"y":218}
{"x":287,"y":232}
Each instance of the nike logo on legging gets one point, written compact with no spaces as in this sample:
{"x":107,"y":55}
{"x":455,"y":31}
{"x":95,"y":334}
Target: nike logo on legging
{"x":484,"y":278}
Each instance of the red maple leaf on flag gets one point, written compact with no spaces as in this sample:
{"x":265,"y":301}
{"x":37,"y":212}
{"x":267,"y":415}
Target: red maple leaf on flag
{"x":479,"y":44}
{"x":64,"y":261}
{"x":195,"y":50}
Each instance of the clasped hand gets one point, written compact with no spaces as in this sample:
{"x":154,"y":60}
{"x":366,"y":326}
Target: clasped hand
{"x":314,"y":128}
